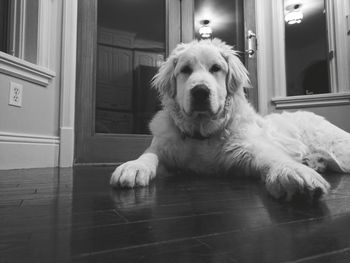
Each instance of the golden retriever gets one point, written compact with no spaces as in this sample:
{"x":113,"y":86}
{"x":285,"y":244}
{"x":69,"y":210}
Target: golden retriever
{"x":207,"y":126}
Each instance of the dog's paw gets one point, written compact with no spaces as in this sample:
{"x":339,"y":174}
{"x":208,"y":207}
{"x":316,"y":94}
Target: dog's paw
{"x":131,"y":174}
{"x":288,"y":180}
{"x":321,"y":160}
{"x":316,"y":161}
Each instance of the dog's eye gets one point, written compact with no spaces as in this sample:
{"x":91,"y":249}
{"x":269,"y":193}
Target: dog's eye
{"x":215,"y":68}
{"x":186,"y":70}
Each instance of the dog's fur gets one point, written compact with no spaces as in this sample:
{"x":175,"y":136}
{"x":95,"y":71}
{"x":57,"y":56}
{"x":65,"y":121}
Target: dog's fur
{"x":226,"y":135}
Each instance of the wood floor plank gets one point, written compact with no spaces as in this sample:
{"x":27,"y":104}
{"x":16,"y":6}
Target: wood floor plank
{"x":73,"y":215}
{"x":179,"y":251}
{"x":140,"y":233}
{"x":284,"y":242}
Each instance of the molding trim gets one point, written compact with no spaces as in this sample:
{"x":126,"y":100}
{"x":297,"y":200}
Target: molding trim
{"x":44,"y":32}
{"x":187,"y":16}
{"x":21,"y":155}
{"x":278,"y":51}
{"x":21,"y":69}
{"x":263,"y":17}
{"x":308,"y":101}
{"x":68,"y":82}
{"x":342,"y":44}
{"x":10,"y":137}
{"x":173,"y":25}
{"x":330,"y":19}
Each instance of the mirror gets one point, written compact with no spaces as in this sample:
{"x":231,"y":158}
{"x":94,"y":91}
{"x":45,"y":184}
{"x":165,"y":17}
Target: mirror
{"x":306,"y":44}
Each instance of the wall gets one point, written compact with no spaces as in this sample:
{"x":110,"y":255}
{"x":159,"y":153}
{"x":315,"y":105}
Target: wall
{"x":29,"y":136}
{"x":338,"y":115}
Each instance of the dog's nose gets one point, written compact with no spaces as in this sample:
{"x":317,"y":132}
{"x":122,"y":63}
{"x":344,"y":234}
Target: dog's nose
{"x":200,"y":93}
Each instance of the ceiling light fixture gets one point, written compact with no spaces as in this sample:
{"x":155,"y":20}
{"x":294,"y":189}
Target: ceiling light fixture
{"x":205,"y":30}
{"x":293,"y":15}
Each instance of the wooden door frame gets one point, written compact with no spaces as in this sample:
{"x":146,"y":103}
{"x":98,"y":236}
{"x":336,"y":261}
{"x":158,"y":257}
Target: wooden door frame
{"x":91,"y":147}
{"x":251,"y":63}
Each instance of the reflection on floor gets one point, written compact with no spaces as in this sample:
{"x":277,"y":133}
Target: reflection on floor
{"x":52,"y":215}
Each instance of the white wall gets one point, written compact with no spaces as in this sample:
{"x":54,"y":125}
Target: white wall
{"x":335,"y":114}
{"x":29,"y":136}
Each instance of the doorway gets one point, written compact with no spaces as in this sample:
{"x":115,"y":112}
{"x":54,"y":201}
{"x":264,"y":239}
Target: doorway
{"x":120,"y":47}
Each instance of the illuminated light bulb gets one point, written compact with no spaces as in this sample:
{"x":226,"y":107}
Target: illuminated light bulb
{"x":205,"y":30}
{"x":294,"y":14}
{"x":294,"y":17}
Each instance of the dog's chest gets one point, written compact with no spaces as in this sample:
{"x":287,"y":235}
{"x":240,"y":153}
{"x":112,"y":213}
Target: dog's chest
{"x":196,"y":155}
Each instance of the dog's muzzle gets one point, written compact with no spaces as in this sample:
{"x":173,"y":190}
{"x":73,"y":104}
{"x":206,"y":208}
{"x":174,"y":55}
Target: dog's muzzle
{"x":200,"y":98}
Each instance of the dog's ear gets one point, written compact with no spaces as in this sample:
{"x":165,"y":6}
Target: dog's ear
{"x":164,"y":81}
{"x":237,"y":77}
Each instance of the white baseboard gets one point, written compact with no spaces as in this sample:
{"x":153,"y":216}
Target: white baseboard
{"x":19,"y":151}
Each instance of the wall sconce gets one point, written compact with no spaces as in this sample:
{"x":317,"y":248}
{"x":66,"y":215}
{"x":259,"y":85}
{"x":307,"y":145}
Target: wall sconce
{"x":293,"y":15}
{"x":205,"y":30}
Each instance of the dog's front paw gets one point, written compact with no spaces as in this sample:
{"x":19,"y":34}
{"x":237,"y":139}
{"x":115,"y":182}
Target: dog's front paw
{"x":287,"y":180}
{"x":131,"y":174}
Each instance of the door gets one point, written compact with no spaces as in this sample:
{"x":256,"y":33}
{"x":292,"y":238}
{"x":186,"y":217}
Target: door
{"x":233,"y":21}
{"x":120,"y":46}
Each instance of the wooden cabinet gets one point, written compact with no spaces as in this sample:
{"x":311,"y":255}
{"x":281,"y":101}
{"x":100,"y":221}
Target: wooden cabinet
{"x":142,"y":58}
{"x":114,"y":78}
{"x":113,"y":121}
{"x":125,"y":101}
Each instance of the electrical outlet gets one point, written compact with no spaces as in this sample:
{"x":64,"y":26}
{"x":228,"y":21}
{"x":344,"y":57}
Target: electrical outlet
{"x":16,"y":92}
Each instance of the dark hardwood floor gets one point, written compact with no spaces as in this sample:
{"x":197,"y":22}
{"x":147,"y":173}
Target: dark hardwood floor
{"x":66,"y":215}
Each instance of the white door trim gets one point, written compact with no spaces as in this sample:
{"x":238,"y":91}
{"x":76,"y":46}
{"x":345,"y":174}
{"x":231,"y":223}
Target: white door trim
{"x":68,"y":85}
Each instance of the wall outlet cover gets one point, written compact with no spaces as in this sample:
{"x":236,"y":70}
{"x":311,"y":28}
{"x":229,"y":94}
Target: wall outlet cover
{"x":16,"y":94}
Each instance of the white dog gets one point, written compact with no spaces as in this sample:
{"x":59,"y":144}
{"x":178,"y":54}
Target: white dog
{"x":207,"y":126}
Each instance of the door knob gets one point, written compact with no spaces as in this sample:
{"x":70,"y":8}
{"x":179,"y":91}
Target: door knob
{"x":252,"y":43}
{"x":250,"y":52}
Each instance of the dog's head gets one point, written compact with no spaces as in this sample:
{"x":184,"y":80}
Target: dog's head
{"x":199,"y":76}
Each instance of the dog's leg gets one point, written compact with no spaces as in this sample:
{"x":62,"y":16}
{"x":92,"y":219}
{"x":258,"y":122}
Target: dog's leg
{"x":321,"y":160}
{"x":339,"y":149}
{"x":283,"y":176}
{"x":330,"y":148}
{"x":137,"y":172}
